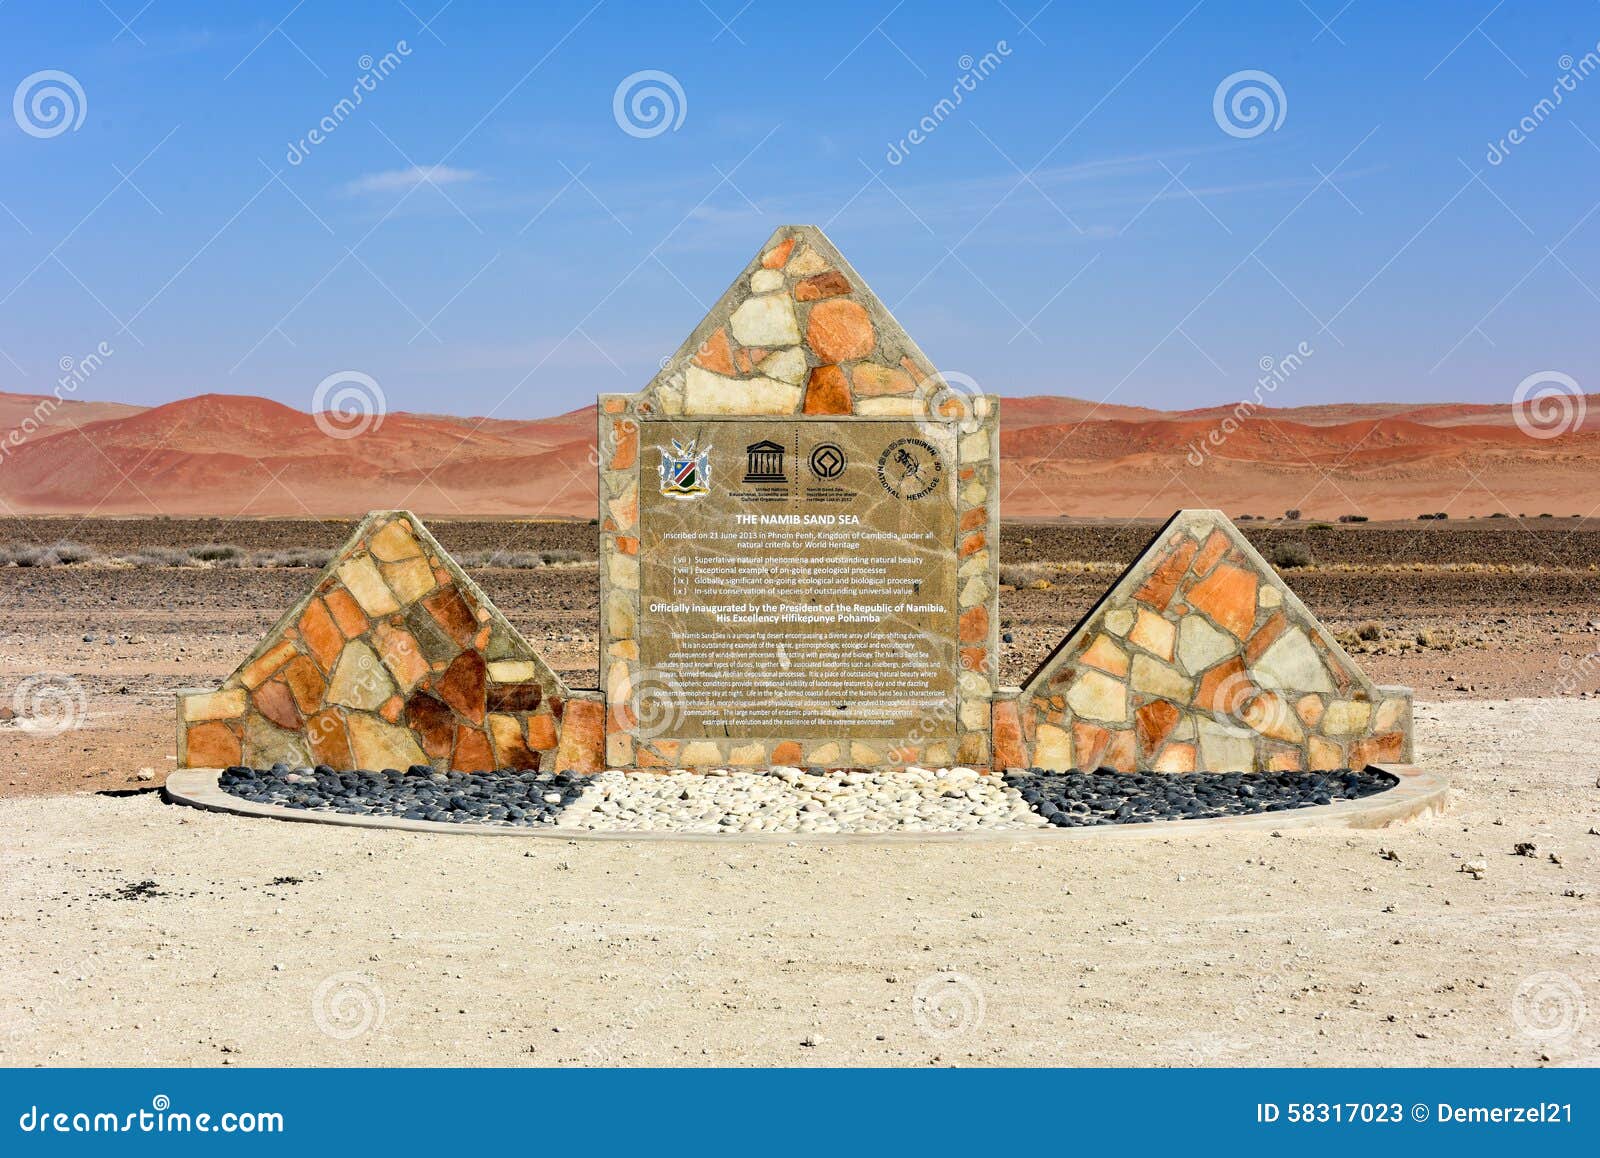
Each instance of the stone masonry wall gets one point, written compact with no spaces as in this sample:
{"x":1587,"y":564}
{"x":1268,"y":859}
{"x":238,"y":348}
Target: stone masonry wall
{"x":797,"y":334}
{"x":394,"y":658}
{"x":1201,"y":658}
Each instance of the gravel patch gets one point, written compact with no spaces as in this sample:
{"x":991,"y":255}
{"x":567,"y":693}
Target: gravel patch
{"x":792,"y":800}
{"x":1077,"y":799}
{"x":501,"y":798}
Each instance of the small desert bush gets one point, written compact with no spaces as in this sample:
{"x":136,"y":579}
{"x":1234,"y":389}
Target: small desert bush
{"x":215,"y":552}
{"x":293,"y":557}
{"x":1291,"y":553}
{"x":1370,"y":630}
{"x":58,"y":554}
{"x":158,"y":557}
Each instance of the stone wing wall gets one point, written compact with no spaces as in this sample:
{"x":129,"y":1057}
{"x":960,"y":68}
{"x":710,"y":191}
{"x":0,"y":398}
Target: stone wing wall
{"x":1201,"y":658}
{"x":395,"y":658}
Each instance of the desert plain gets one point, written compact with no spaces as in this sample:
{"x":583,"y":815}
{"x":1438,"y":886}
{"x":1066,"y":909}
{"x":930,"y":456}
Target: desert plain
{"x":137,"y":932}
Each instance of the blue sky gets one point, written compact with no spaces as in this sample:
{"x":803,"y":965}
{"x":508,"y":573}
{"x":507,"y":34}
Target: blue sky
{"x":1082,"y":223}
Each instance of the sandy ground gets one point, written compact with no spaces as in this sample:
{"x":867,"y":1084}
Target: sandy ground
{"x":260,"y":942}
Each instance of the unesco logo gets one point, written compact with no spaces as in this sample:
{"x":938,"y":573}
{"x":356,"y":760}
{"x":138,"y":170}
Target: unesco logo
{"x":827,"y":461}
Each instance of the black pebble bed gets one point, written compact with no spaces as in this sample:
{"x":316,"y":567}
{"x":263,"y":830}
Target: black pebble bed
{"x":1079,"y":799}
{"x":507,"y":797}
{"x":530,"y":799}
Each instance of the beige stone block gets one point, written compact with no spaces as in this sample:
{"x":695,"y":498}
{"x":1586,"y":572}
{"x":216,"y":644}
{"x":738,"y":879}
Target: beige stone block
{"x":1154,"y":634}
{"x":976,"y":563}
{"x":708,"y":393}
{"x":975,"y":591}
{"x":764,"y":281}
{"x":619,"y":683}
{"x":975,"y":447}
{"x":623,"y":571}
{"x":1292,"y":664}
{"x":805,"y":263}
{"x":1200,"y":645}
{"x":748,"y":755}
{"x":892,"y":406}
{"x":974,"y":493}
{"x":360,"y":680}
{"x":1391,"y":715}
{"x":1269,"y":596}
{"x":512,"y":671}
{"x":701,"y":754}
{"x":1325,"y":755}
{"x":223,"y":705}
{"x":409,"y":579}
{"x":1346,"y":717}
{"x":786,"y":366}
{"x":938,"y":755}
{"x":376,"y":744}
{"x":1052,"y":749}
{"x":620,"y":616}
{"x":864,"y":754}
{"x":360,"y":574}
{"x":624,"y":649}
{"x":619,"y":750}
{"x":1119,"y":621}
{"x":765,"y":321}
{"x":823,"y":755}
{"x":1154,"y":678}
{"x":974,"y":714}
{"x":394,"y":541}
{"x":1095,"y":696}
{"x":1225,"y":749}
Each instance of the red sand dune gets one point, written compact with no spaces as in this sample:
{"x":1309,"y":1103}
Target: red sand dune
{"x":234,"y":456}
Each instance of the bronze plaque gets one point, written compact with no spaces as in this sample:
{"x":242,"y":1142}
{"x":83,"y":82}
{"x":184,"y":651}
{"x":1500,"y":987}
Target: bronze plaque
{"x":798,"y":577}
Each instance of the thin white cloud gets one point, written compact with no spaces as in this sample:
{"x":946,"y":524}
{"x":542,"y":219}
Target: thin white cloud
{"x":399,"y":180}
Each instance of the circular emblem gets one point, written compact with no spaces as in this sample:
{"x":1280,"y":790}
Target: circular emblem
{"x":910,"y":469}
{"x":827,"y":460}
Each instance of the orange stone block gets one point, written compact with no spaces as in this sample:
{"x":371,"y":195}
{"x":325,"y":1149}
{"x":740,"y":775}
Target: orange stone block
{"x":1211,"y":553}
{"x":715,"y":354}
{"x":829,"y":284}
{"x":1120,"y":754}
{"x":1224,"y":687}
{"x":974,"y":625}
{"x":1103,"y":653}
{"x":974,"y":659}
{"x":1266,"y":635}
{"x":777,"y":255}
{"x":401,"y":654}
{"x":391,"y":709}
{"x":1154,"y":723}
{"x":839,"y":330}
{"x":583,"y":741}
{"x":306,"y":683}
{"x":257,"y":672}
{"x":869,"y":380}
{"x":627,"y":544}
{"x":274,"y":701}
{"x":1006,"y":731}
{"x":346,"y":612}
{"x":973,"y":542}
{"x":976,"y":517}
{"x":211,"y":745}
{"x":464,"y":686}
{"x":472,"y":752}
{"x":1228,"y":596}
{"x":1089,"y":742}
{"x":330,"y":742}
{"x":1175,"y":758}
{"x":1388,"y":748}
{"x":1157,"y":590}
{"x":321,"y":634}
{"x":542,"y":734}
{"x":625,"y":441}
{"x":451,"y":612}
{"x":1287,"y":760}
{"x":827,"y":392}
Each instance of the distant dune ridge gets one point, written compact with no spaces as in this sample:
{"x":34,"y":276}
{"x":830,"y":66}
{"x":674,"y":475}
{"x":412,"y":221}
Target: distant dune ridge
{"x":242,"y":456}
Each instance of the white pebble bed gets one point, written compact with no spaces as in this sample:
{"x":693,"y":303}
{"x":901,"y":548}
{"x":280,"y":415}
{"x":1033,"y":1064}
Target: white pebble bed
{"x":794,"y":800}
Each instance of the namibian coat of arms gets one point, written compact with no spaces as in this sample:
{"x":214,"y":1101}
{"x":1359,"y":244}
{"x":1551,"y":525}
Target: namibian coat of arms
{"x":685,"y":471}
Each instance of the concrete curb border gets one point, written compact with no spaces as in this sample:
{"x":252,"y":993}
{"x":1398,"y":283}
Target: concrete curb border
{"x":1419,"y":793}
